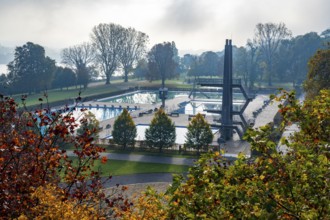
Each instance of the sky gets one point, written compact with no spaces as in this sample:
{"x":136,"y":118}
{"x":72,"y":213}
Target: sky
{"x":194,"y":25}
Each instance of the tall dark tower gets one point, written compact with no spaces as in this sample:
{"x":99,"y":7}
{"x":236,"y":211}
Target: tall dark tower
{"x":228,"y":122}
{"x":227,"y":95}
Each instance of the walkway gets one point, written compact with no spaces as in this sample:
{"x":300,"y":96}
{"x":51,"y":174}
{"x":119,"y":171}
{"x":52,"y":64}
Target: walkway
{"x":140,"y":178}
{"x":150,"y":159}
{"x":146,"y":158}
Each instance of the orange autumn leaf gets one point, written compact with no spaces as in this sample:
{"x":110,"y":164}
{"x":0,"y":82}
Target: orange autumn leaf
{"x":104,"y":159}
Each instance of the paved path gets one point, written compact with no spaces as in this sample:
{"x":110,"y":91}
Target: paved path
{"x":140,"y":178}
{"x":146,"y":158}
{"x":150,"y":159}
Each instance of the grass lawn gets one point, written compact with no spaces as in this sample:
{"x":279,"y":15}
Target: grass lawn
{"x":72,"y":93}
{"x":96,"y":89}
{"x":121,"y":167}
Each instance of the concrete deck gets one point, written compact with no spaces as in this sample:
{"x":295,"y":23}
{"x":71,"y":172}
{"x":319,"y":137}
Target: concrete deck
{"x":232,"y":148}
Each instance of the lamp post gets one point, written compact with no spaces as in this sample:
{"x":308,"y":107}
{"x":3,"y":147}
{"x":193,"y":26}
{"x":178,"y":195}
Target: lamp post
{"x":163,"y":92}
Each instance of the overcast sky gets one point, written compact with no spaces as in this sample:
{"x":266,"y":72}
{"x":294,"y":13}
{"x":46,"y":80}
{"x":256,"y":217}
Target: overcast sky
{"x":194,"y":25}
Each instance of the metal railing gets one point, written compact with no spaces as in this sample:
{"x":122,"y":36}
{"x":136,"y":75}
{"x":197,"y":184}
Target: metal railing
{"x":215,"y":81}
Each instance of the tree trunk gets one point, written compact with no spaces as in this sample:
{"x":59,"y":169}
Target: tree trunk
{"x":163,"y":98}
{"x":270,"y":72}
{"x":107,"y":82}
{"x":270,"y":80}
{"x":125,"y":76}
{"x":251,"y":86}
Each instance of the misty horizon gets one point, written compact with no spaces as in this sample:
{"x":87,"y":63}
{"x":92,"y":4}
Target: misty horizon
{"x":195,"y":26}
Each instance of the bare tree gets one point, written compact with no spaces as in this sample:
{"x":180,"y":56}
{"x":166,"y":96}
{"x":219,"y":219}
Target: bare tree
{"x":268,"y":36}
{"x":240,"y":62}
{"x":82,"y":54}
{"x":133,"y":49}
{"x":252,"y":56}
{"x":161,"y":63}
{"x":80,"y":58}
{"x":108,"y":40}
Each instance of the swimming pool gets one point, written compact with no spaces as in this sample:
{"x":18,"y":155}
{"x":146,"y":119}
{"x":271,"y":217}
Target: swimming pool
{"x":151,"y":97}
{"x":101,"y":113}
{"x":142,"y":97}
{"x":194,"y":107}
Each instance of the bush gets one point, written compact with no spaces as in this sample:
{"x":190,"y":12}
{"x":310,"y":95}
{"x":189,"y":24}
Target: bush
{"x":30,"y":159}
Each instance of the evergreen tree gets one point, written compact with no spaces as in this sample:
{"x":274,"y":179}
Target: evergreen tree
{"x":124,"y":129}
{"x":89,"y":123}
{"x":199,"y":133}
{"x":161,"y":132}
{"x":64,"y":77}
{"x":30,"y":67}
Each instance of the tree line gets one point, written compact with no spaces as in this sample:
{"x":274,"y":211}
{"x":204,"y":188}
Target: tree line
{"x":272,"y":55}
{"x":112,"y":47}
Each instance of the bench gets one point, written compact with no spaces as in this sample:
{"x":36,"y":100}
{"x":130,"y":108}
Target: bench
{"x":175,"y":114}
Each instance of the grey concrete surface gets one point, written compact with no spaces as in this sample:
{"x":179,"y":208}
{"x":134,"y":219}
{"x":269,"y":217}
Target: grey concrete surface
{"x":139,"y":178}
{"x":146,"y":158}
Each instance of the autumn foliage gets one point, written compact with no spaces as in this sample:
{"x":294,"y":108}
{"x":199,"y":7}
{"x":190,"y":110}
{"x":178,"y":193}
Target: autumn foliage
{"x":272,"y":185}
{"x":31,"y":159}
{"x":149,"y":205}
{"x":199,"y":133}
{"x":52,"y":204}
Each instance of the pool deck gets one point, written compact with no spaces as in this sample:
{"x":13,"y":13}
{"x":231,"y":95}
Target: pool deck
{"x":232,"y":148}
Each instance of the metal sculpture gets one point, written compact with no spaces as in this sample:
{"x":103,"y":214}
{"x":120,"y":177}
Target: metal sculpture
{"x":228,"y":124}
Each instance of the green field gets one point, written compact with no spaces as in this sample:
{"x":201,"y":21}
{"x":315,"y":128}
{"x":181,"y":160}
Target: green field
{"x":96,"y":88}
{"x":67,"y":95}
{"x":120,"y":167}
